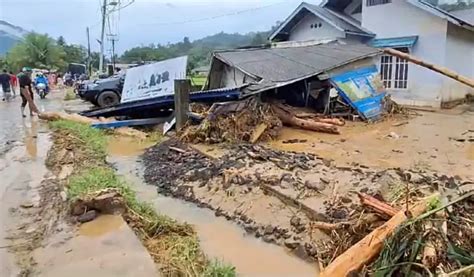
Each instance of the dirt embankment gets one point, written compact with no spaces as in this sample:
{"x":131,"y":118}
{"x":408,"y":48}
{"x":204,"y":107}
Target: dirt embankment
{"x":281,"y":196}
{"x":78,"y":156}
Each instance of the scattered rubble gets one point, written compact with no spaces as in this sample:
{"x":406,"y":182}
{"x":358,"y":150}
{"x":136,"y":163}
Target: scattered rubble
{"x":235,"y":126}
{"x":319,"y":208}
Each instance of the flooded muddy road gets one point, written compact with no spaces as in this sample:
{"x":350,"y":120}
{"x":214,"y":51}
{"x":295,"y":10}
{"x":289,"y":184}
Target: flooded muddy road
{"x":219,"y":238}
{"x":24,"y":143}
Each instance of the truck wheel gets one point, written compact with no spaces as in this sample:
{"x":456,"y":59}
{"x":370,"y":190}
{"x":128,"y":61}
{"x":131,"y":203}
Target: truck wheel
{"x":108,"y":98}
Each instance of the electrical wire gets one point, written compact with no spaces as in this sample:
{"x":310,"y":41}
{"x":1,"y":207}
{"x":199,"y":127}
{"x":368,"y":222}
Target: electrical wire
{"x":213,"y":17}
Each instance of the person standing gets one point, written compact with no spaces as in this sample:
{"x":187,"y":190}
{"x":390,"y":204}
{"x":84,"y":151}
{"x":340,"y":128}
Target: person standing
{"x":6,"y":84}
{"x":14,"y":82}
{"x":26,"y":92}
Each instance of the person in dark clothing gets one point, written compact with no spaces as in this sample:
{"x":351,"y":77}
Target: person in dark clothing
{"x":5,"y":82}
{"x":26,"y":92}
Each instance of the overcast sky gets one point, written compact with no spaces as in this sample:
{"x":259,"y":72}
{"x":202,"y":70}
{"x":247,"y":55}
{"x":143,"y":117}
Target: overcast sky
{"x":146,"y":21}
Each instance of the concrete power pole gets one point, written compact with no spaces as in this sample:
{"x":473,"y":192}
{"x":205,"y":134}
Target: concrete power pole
{"x":88,"y":52}
{"x":102,"y":37}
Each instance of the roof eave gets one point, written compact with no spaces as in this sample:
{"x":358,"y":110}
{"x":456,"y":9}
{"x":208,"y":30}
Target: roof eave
{"x":370,"y":35}
{"x":441,"y":13}
{"x":303,"y":5}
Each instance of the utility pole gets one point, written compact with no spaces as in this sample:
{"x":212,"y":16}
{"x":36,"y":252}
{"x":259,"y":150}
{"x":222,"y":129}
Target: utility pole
{"x":113,"y":52}
{"x":88,"y":52}
{"x":102,"y":35}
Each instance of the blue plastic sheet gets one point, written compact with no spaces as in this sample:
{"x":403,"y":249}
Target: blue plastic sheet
{"x":363,"y":90}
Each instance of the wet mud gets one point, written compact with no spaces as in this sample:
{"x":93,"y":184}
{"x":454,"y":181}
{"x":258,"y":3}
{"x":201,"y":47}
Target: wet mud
{"x":218,"y":237}
{"x":276,"y":195}
{"x":427,"y":141}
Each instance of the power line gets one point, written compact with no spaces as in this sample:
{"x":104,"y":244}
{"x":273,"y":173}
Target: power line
{"x":213,"y":17}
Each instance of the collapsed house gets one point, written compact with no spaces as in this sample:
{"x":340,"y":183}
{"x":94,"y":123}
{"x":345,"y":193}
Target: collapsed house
{"x":334,"y":78}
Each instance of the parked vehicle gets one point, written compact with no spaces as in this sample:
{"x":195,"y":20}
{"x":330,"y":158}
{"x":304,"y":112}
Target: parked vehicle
{"x":41,"y":90}
{"x":102,"y":92}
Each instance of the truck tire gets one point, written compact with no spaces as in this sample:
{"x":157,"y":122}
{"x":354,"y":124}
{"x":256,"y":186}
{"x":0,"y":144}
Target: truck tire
{"x":108,"y":98}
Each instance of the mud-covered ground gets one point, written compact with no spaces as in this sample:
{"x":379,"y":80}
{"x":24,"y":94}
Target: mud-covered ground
{"x":441,"y":141}
{"x":276,"y":195}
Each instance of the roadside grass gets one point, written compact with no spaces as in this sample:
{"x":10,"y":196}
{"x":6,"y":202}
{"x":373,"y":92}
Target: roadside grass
{"x":93,"y":140}
{"x":198,"y":80}
{"x":70,"y":95}
{"x":174,"y":246}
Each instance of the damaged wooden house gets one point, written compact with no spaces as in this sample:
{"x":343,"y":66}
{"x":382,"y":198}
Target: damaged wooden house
{"x":414,"y":27}
{"x":338,"y":78}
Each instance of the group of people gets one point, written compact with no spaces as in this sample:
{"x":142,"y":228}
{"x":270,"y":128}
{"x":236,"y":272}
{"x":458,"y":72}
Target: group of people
{"x":9,"y":83}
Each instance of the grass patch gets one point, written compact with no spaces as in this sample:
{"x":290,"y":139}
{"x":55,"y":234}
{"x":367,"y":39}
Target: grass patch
{"x":70,"y":95}
{"x":93,"y":140}
{"x":217,"y":268}
{"x":174,"y":246}
{"x":198,"y":80}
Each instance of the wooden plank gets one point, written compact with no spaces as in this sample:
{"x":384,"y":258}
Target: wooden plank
{"x":369,"y":247}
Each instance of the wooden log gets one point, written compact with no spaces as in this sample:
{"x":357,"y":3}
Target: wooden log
{"x":123,"y":131}
{"x":29,"y":99}
{"x":378,"y":206}
{"x":258,"y":132}
{"x":328,"y":226}
{"x":369,"y":247}
{"x":51,"y":116}
{"x":291,"y":120}
{"x":440,"y":69}
{"x":309,"y":115}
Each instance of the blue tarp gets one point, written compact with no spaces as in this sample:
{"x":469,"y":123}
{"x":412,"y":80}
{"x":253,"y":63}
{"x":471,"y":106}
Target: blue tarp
{"x":397,"y":42}
{"x":363,"y":90}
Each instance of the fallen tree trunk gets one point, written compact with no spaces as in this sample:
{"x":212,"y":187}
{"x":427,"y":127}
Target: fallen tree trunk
{"x":378,"y":206}
{"x":290,"y":119}
{"x":369,"y":247}
{"x":123,"y":131}
{"x":440,"y":69}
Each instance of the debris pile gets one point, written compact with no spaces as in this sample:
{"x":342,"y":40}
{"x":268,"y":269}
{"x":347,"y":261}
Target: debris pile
{"x":255,"y":122}
{"x":322,"y":210}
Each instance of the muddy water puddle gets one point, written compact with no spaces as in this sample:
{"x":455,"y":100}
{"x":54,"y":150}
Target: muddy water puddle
{"x":219,"y":238}
{"x":101,"y":225}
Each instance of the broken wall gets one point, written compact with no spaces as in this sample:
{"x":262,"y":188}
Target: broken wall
{"x":223,"y":75}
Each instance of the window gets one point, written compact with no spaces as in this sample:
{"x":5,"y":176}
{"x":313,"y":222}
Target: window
{"x":394,"y":71}
{"x":377,"y":2}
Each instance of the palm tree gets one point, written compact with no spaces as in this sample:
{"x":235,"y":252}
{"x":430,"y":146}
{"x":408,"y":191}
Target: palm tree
{"x":38,"y":51}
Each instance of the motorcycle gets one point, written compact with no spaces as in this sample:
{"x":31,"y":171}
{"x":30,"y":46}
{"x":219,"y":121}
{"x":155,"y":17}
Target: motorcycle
{"x":41,"y":90}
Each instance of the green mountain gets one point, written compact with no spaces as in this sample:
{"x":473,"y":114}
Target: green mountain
{"x":9,"y":36}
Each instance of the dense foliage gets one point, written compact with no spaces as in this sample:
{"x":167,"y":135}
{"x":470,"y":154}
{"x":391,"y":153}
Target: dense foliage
{"x":199,"y":51}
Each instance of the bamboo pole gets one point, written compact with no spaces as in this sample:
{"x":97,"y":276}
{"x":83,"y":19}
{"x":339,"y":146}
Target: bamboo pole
{"x":369,"y":247}
{"x":440,"y":69}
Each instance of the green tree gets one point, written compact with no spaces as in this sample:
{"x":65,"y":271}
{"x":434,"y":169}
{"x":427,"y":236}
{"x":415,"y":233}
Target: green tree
{"x":61,"y":41}
{"x":38,"y":51}
{"x":75,"y":53}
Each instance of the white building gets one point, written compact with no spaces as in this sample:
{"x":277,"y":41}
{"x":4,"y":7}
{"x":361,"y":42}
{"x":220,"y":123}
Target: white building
{"x":412,"y":26}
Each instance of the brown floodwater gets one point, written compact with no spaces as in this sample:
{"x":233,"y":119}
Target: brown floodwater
{"x":219,"y":238}
{"x":127,"y":146}
{"x":101,"y":225}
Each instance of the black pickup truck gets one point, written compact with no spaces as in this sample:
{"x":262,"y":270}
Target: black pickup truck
{"x":103,"y":92}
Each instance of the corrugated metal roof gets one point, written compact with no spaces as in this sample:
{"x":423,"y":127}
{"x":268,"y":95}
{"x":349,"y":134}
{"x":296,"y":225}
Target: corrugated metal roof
{"x":394,"y":42}
{"x":278,"y":66}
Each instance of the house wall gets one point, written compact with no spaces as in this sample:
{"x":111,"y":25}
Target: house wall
{"x":398,"y":19}
{"x":460,"y":58}
{"x":303,"y":31}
